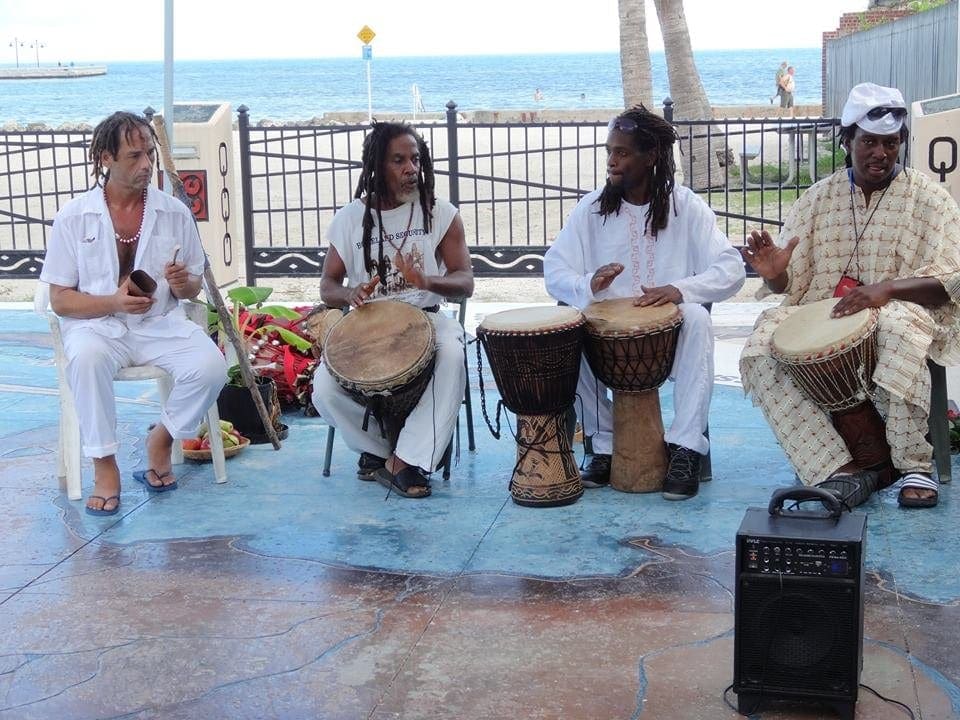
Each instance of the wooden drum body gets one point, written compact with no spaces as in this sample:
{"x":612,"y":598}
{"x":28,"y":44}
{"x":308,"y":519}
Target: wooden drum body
{"x":382,"y":354}
{"x":534,"y":355}
{"x":832,"y":360}
{"x":631,"y":350}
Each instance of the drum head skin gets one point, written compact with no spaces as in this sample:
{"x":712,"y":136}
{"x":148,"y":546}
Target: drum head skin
{"x":622,"y":317}
{"x":809,"y":331}
{"x":531,"y":319}
{"x":379,"y":342}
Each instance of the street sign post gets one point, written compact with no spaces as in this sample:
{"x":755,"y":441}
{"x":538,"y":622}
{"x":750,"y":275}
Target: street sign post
{"x":366,"y":36}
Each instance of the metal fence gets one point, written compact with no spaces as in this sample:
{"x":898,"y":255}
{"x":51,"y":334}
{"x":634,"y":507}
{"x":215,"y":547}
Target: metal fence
{"x":515,"y":183}
{"x":39,"y":172}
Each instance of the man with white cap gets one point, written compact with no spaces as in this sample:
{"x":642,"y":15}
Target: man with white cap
{"x":876,"y":235}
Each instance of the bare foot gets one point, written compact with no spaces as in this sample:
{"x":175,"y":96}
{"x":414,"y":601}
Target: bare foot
{"x":914,"y":493}
{"x":159,"y":446}
{"x":106,"y":484}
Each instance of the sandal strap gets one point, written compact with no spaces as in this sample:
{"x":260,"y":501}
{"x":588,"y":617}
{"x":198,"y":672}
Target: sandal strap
{"x":919,"y":480}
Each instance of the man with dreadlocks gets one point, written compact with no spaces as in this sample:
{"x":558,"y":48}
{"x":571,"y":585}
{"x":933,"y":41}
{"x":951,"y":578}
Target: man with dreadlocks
{"x":641,"y":237}
{"x":98,"y":240}
{"x":397,"y":240}
{"x":876,"y":235}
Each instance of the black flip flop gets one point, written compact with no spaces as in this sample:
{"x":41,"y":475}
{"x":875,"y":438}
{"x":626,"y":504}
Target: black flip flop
{"x":101,"y":511}
{"x":403,"y":481}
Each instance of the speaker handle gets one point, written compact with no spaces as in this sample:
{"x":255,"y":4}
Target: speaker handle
{"x":799,"y":494}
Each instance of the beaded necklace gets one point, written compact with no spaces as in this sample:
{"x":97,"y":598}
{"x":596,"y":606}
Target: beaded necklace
{"x":130,"y":240}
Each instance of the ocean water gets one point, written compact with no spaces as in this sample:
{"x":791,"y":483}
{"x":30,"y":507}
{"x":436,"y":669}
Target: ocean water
{"x":302,"y":89}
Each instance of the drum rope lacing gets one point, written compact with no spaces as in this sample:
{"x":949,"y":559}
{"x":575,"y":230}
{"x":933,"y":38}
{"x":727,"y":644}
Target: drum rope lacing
{"x":843,"y":390}
{"x":536,"y":442}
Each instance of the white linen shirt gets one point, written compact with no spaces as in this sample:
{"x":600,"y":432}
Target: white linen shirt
{"x":691,"y":253}
{"x":82,"y":254}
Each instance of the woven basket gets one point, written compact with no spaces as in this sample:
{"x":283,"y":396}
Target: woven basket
{"x":206,"y":456}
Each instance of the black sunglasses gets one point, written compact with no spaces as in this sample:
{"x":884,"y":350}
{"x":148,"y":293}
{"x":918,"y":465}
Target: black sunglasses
{"x":878,"y":112}
{"x":623,"y":124}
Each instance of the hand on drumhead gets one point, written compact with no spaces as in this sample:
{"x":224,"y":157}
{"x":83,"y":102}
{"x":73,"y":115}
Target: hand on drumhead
{"x":408,"y":268}
{"x":360,"y":293}
{"x":861,"y":298}
{"x":764,"y":256}
{"x":658,"y":296}
{"x":604,"y":276}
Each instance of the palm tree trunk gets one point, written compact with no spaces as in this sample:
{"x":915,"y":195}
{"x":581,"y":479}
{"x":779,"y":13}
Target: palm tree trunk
{"x":700,"y":164}
{"x":635,"y":70}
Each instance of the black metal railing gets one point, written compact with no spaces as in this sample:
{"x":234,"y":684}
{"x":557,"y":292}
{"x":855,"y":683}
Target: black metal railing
{"x":514,"y":182}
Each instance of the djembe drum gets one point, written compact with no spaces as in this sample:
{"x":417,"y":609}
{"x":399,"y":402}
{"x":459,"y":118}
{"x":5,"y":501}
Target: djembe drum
{"x":534,"y":354}
{"x":382,"y":354}
{"x":631,"y":349}
{"x":832,"y":361}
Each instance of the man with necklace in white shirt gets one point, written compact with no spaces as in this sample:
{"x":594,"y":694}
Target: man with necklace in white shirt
{"x":98,"y":240}
{"x":397,"y":240}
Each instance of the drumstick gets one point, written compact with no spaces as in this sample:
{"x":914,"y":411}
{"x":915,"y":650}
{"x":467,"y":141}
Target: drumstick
{"x":176,"y":251}
{"x":214,"y":293}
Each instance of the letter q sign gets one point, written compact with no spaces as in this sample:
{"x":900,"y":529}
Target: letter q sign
{"x":942,"y":168}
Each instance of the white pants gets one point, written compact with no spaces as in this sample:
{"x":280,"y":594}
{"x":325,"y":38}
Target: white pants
{"x":430,"y":425}
{"x":692,"y":373}
{"x":194,"y":363}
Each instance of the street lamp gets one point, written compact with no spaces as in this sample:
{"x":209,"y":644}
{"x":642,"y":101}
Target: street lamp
{"x":36,"y":44}
{"x":16,"y":45}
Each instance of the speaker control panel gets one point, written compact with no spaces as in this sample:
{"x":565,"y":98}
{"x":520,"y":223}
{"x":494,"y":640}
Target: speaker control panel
{"x":799,"y":557}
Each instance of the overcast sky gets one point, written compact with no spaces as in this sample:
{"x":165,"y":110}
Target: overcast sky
{"x":109,"y":30}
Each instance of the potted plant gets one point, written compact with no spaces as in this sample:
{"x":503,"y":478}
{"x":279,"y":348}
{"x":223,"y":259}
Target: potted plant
{"x":261,"y":328}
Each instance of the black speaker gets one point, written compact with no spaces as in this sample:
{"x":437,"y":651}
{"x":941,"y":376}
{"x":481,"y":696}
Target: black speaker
{"x":798,"y":617}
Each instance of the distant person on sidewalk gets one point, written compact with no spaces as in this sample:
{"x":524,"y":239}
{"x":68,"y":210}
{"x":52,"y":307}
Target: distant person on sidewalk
{"x":98,"y":239}
{"x":396,"y":240}
{"x":878,"y":236}
{"x":778,"y":80}
{"x":537,"y":95}
{"x":788,"y":86}
{"x":642,"y":237}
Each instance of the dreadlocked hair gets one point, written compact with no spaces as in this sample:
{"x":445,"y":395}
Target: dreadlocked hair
{"x":373,"y":185}
{"x":652,"y":133}
{"x":108,"y":134}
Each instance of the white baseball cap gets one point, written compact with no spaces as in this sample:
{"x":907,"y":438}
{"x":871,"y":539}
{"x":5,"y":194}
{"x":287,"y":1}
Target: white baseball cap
{"x":875,"y":109}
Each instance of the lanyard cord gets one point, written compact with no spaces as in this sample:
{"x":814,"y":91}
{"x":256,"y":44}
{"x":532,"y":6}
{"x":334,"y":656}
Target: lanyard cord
{"x":858,"y":234}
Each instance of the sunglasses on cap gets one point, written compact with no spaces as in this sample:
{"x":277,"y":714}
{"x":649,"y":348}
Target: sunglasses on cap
{"x":623,"y":124}
{"x":878,"y":112}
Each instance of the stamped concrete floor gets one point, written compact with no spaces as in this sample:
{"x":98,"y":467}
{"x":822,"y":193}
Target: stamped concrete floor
{"x":284,"y":594}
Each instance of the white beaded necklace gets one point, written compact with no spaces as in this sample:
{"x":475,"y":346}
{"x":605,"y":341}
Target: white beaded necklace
{"x":143,"y":208}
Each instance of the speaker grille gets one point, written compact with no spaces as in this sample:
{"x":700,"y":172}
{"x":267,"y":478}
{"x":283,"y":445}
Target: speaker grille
{"x":799,"y":635}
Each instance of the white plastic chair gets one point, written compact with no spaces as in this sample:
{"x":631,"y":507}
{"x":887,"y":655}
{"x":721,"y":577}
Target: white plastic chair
{"x":68,"y":452}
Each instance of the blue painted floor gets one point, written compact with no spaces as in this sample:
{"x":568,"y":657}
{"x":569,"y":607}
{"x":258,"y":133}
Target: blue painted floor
{"x":287,"y":594}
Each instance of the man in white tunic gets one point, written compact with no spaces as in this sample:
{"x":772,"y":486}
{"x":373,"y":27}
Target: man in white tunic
{"x":98,"y":239}
{"x":397,"y":240}
{"x":640,"y":236}
{"x":877,"y":236}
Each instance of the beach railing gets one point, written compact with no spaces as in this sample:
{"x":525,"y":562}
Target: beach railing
{"x":514,"y":182}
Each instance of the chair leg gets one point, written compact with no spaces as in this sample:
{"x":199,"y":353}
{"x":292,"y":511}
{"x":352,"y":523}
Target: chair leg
{"x":938,"y":423}
{"x":706,"y":465}
{"x":448,"y":454}
{"x":216,"y":445}
{"x":328,"y":455}
{"x":69,"y":453}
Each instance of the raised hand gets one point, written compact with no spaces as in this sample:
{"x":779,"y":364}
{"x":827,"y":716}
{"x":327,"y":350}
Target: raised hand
{"x":604,"y":276}
{"x":411,"y":273}
{"x":764,"y":256}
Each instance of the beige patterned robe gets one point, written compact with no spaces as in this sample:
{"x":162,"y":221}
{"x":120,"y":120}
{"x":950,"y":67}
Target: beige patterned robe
{"x":914,"y":232}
